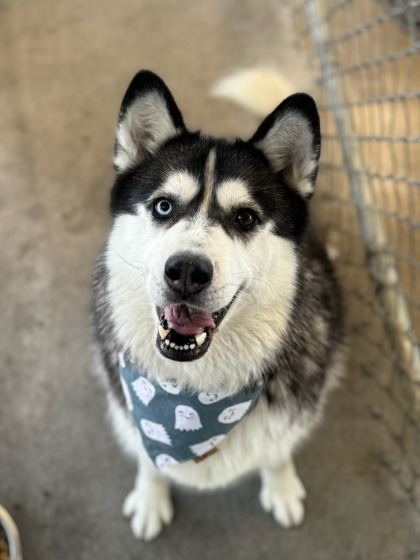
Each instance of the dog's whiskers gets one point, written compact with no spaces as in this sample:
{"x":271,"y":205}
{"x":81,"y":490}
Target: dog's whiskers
{"x":253,"y":278}
{"x":141,"y":270}
{"x":245,"y":295}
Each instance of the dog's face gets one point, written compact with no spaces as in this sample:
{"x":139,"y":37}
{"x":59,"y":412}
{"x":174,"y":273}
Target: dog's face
{"x":205,"y":230}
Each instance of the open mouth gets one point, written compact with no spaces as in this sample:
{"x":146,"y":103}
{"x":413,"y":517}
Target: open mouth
{"x":185,"y":333}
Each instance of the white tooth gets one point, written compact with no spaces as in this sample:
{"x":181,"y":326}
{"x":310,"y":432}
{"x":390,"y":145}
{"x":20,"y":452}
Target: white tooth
{"x":192,"y":346}
{"x":163,"y":333}
{"x":172,"y":345}
{"x":200,"y":338}
{"x":176,"y":347}
{"x":186,"y":346}
{"x":167,"y":342}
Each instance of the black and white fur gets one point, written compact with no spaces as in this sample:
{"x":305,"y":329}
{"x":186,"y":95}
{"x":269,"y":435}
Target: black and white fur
{"x":284,"y":323}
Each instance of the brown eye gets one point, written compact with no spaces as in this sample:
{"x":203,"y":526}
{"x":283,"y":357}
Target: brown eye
{"x":246,"y":219}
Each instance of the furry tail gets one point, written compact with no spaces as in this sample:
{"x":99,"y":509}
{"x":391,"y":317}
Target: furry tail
{"x":259,"y":90}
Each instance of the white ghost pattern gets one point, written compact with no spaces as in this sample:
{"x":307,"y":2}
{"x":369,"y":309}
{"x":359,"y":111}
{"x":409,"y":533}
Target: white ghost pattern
{"x":204,"y":446}
{"x":187,"y":419}
{"x":163,"y":460}
{"x":127,"y":395}
{"x":234,"y":413}
{"x":170,"y":386}
{"x":155,"y":431}
{"x":210,"y":398}
{"x":144,"y":390}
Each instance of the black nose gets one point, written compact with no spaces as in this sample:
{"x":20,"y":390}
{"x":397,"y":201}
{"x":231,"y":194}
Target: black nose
{"x":187,"y":273}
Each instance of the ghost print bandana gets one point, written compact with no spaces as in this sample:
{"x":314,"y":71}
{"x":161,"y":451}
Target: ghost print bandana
{"x":176,"y":425}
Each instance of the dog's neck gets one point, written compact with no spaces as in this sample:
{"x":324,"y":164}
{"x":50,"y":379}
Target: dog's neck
{"x":177,"y":425}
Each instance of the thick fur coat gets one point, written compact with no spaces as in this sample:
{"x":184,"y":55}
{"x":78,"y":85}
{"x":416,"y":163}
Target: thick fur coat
{"x":234,"y":218}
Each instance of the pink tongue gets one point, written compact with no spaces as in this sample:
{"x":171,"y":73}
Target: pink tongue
{"x":188,"y":321}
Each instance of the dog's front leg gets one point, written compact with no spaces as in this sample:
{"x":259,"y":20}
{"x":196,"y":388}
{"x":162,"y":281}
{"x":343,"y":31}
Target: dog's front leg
{"x":149,"y":504}
{"x":282,"y":493}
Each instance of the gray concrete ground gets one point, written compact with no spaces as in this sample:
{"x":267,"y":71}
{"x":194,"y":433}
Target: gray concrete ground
{"x":63,"y":69}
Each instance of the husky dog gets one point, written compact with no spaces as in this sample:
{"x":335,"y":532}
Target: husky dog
{"x":212,"y":284}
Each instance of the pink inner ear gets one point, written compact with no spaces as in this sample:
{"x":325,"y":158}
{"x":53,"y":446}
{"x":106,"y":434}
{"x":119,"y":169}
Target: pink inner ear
{"x":187,"y":321}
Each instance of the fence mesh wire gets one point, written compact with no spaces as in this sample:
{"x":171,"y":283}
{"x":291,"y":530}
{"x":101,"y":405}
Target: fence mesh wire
{"x":365,"y":59}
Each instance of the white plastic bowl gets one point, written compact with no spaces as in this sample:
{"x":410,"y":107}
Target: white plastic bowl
{"x":12,"y":534}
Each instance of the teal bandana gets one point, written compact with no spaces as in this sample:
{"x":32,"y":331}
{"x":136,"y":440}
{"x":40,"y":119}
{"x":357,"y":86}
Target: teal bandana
{"x":176,"y":425}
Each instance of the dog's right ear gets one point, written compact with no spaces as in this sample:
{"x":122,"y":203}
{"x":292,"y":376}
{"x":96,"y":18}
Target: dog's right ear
{"x":148,"y":117}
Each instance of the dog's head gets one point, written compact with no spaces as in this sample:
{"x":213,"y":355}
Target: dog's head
{"x":203,"y":247}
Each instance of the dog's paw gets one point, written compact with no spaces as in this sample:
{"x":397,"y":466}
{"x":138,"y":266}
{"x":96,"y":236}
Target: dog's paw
{"x":149,"y":513}
{"x":282,"y":494}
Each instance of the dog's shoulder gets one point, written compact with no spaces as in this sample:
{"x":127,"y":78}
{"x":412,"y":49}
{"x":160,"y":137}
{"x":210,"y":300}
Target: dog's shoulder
{"x":104,"y":338}
{"x":310,"y":355}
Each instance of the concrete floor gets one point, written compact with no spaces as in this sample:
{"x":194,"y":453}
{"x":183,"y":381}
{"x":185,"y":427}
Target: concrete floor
{"x":63,"y":69}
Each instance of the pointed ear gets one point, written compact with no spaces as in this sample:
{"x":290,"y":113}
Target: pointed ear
{"x":291,"y":141}
{"x":148,"y":117}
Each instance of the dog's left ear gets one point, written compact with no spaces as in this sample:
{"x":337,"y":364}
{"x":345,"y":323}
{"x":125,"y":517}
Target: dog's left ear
{"x":148,"y":117}
{"x":290,"y":139}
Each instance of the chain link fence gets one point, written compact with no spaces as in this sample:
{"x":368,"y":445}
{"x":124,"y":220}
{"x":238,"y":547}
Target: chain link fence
{"x":365,"y":59}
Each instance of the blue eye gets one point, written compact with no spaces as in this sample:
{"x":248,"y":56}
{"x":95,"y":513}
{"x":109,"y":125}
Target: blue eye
{"x":163,"y":208}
